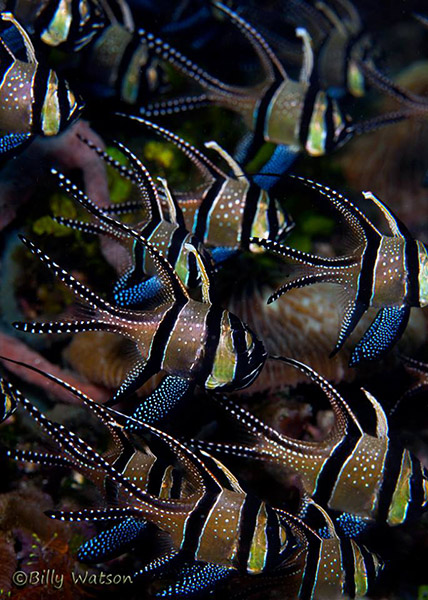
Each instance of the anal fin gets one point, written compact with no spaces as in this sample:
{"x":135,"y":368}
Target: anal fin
{"x":193,"y":579}
{"x":112,"y":542}
{"x":161,"y":402}
{"x":135,"y":378}
{"x":137,"y":295}
{"x":11,"y":143}
{"x":386,"y":329}
{"x":353,"y":314}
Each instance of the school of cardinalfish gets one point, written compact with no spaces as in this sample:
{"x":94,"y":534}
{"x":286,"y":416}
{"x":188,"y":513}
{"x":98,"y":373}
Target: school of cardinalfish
{"x":166,"y":303}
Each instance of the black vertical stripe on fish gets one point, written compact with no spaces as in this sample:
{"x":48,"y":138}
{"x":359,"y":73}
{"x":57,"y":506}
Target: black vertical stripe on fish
{"x":111,"y":490}
{"x":366,"y":278}
{"x":272,"y":216}
{"x":330,"y":140}
{"x":40,"y":87}
{"x":193,"y":273}
{"x":348,"y":566}
{"x":411,"y":261}
{"x":370,"y":568}
{"x":176,"y":245}
{"x":45,"y":17}
{"x":345,"y":63}
{"x":250,"y":211}
{"x":240,"y":347}
{"x":131,"y":48}
{"x":177,"y":481}
{"x":263,"y":113}
{"x":213,"y":330}
{"x":391,"y":472}
{"x":5,"y":61}
{"x":110,"y":487}
{"x":63,"y":104}
{"x":155,"y":477}
{"x":330,"y":471}
{"x":127,"y":452}
{"x":160,"y":338}
{"x":416,"y":489}
{"x":201,"y":225}
{"x":150,"y":226}
{"x":197,"y":520}
{"x":310,"y":572}
{"x":308,"y":109}
{"x":273,"y":541}
{"x":247,"y":524}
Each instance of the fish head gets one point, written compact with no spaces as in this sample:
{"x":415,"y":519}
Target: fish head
{"x":61,"y":106}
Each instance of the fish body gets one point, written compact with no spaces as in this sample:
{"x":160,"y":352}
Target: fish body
{"x":119,"y":64}
{"x":68,"y":24}
{"x":387,"y":272}
{"x":224,"y":526}
{"x":216,"y":523}
{"x":340,"y":43}
{"x":295,"y":114}
{"x":198,"y":340}
{"x":8,"y":402}
{"x":114,"y":61}
{"x":33,"y":99}
{"x":351,"y":471}
{"x":226,"y":209}
{"x":167,"y":234}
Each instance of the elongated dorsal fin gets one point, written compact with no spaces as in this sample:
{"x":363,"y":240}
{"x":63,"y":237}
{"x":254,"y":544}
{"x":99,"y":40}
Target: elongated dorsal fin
{"x":116,"y":430}
{"x":381,"y":418}
{"x":398,"y":229}
{"x":308,"y":55}
{"x":29,"y":48}
{"x":172,"y":285}
{"x":84,"y":456}
{"x":270,"y":62}
{"x":118,"y":424}
{"x":175,"y":212}
{"x":205,"y":279}
{"x":234,"y":483}
{"x":148,"y":192}
{"x":201,"y":162}
{"x":138,"y":175}
{"x":343,"y":413}
{"x":356,"y":219}
{"x":236,"y":168}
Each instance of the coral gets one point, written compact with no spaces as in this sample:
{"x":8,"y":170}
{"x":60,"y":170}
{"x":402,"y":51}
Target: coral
{"x":44,"y":547}
{"x":66,"y":151}
{"x":17,"y":350}
{"x":304,"y":324}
